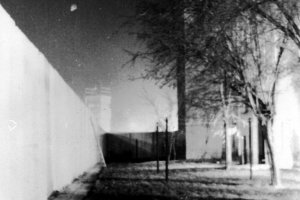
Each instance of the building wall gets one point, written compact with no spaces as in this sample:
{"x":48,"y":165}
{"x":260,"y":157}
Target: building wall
{"x":98,"y":100}
{"x":105,"y":109}
{"x":286,"y":129}
{"x":287,"y":126}
{"x":47,"y":138}
{"x":202,"y":142}
{"x":208,"y":143}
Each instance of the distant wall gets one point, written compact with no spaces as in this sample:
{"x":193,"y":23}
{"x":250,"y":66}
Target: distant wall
{"x":130,"y":147}
{"x":125,"y":147}
{"x":202,"y":142}
{"x":208,"y":142}
{"x":286,"y":131}
{"x":47,"y":138}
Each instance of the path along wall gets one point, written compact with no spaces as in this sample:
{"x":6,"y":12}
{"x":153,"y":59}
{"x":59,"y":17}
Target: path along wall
{"x":46,"y":135}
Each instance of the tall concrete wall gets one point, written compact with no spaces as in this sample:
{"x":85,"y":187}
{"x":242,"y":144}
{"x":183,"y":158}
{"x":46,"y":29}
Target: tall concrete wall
{"x":46,"y":134}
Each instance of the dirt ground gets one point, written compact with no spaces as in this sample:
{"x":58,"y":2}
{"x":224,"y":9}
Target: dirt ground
{"x":190,"y":180}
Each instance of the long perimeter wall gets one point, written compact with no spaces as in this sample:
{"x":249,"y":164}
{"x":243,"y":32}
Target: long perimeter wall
{"x":46,"y":135}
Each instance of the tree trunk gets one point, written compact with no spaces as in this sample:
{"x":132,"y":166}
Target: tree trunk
{"x":181,"y":94}
{"x":181,"y":101}
{"x":180,"y":78}
{"x":228,"y":149}
{"x":225,"y":100}
{"x":275,"y":171}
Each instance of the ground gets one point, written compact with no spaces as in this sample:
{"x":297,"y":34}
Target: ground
{"x":187,"y":180}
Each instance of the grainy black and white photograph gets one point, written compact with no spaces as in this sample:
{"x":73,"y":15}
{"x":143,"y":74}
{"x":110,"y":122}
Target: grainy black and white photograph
{"x":149,"y":99}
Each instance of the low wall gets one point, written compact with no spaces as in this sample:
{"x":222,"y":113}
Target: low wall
{"x":126,"y":147}
{"x":47,"y":138}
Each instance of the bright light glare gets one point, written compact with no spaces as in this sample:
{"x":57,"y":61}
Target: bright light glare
{"x":73,"y":7}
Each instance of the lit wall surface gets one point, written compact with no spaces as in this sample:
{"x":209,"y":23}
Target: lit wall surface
{"x":46,"y":135}
{"x":287,"y":124}
{"x":286,"y":128}
{"x":203,"y":142}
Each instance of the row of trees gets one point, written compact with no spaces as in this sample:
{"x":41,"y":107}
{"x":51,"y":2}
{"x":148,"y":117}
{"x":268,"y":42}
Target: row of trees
{"x":220,"y":53}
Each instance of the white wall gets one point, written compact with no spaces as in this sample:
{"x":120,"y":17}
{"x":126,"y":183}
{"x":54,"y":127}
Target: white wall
{"x":46,"y":138}
{"x":287,"y":123}
{"x":286,"y":130}
{"x":196,"y":136}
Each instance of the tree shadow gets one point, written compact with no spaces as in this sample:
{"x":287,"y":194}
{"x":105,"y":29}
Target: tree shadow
{"x":151,"y":169}
{"x":104,"y":196}
{"x":206,"y":181}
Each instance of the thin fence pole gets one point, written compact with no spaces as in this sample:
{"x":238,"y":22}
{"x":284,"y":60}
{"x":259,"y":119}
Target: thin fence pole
{"x":157,"y":150}
{"x":167,"y":151}
{"x":136,"y":149}
{"x":226,"y":146}
{"x":245,"y":150}
{"x":250,"y":148}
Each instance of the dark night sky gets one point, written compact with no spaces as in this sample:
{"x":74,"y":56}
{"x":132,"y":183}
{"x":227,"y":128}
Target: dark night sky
{"x":78,"y":43}
{"x":83,"y":47}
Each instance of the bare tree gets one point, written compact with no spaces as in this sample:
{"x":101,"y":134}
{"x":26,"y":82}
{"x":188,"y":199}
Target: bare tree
{"x":160,"y":28}
{"x":238,"y":46}
{"x":282,"y":14}
{"x":164,"y":106}
{"x":241,"y":52}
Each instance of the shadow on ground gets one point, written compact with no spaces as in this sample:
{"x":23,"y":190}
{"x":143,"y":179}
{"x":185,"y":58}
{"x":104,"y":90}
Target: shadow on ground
{"x":100,"y":196}
{"x":142,"y":182}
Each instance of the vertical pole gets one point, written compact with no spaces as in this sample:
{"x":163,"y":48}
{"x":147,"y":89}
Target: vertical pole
{"x":245,"y":150}
{"x":157,"y":150}
{"x":250,"y":148}
{"x":240,"y":150}
{"x":226,"y":149}
{"x":167,"y":151}
{"x":136,"y":149}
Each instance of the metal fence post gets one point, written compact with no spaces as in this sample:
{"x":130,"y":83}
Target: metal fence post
{"x":250,"y":148}
{"x":167,"y":151}
{"x":136,"y":149}
{"x":157,"y":150}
